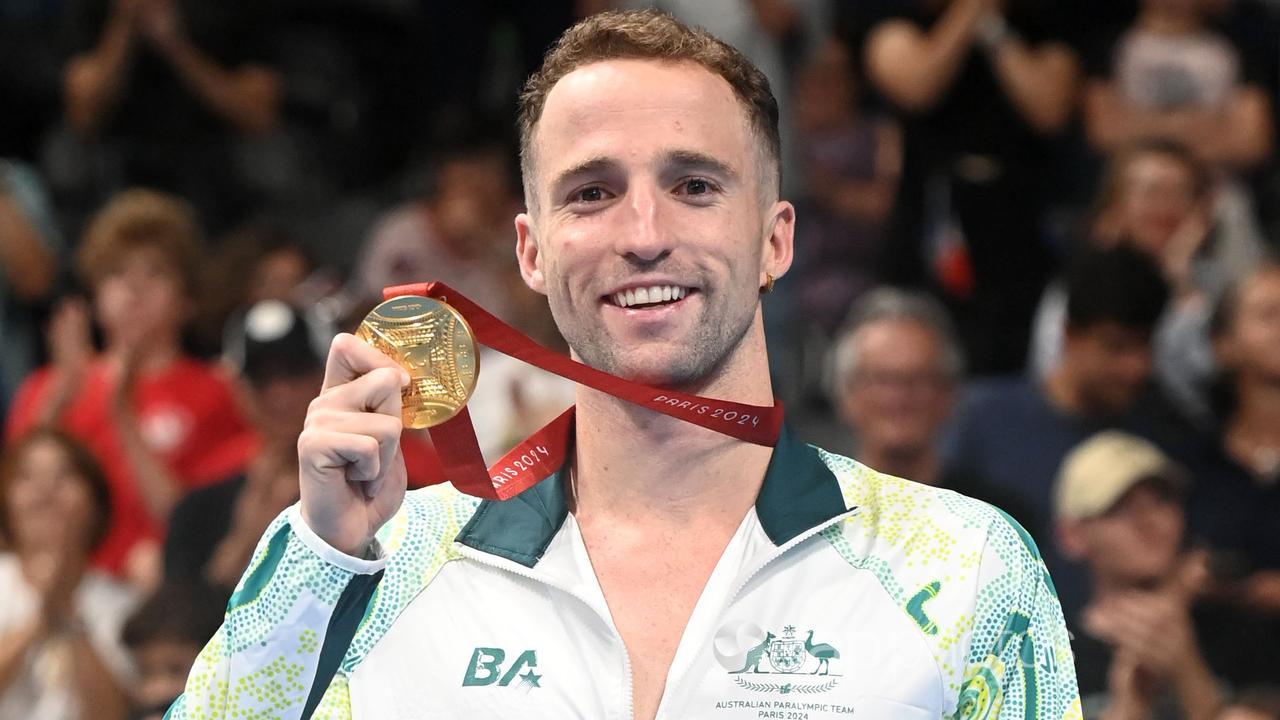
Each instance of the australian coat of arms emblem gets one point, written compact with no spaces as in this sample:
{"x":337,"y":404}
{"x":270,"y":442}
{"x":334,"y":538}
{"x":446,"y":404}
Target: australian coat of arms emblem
{"x":744,"y":649}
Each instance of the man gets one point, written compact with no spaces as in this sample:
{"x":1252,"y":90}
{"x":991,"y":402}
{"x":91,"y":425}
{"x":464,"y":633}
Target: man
{"x":894,"y":373}
{"x":983,"y":88}
{"x":1118,"y":505}
{"x":665,"y":571}
{"x":279,"y":354}
{"x":1013,"y":433}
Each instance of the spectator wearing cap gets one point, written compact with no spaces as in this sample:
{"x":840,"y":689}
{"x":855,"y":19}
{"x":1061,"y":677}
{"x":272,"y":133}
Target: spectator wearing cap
{"x":158,"y":420}
{"x":1152,"y":641}
{"x":1013,"y":433}
{"x":278,"y":352}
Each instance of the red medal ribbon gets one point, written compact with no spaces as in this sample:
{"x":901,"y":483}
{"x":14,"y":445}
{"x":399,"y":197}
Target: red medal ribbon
{"x":543,"y":453}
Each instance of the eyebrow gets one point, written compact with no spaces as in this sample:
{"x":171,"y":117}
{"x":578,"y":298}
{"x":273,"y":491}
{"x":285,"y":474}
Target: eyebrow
{"x":695,"y":160}
{"x":682,"y":160}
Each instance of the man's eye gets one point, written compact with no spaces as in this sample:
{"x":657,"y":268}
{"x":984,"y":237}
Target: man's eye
{"x":696,"y":186}
{"x":589,"y":194}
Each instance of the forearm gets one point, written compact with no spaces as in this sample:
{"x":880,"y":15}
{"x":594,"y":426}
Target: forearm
{"x":1041,"y":83}
{"x":92,"y":81}
{"x":13,"y":651}
{"x":95,"y":683}
{"x":28,"y":266}
{"x":914,"y":70}
{"x":158,"y":486}
{"x":276,"y":620}
{"x":1197,"y":691}
{"x":230,"y":557}
{"x":248,"y":98}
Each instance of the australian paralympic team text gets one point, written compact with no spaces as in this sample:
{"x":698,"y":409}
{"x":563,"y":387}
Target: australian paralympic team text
{"x":732,"y":416}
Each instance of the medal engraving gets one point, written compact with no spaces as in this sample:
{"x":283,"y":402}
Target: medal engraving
{"x":435,"y":344}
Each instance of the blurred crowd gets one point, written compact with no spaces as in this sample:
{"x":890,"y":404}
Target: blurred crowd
{"x":1035,"y":263}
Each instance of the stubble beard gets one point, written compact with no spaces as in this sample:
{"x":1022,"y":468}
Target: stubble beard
{"x":695,"y":365}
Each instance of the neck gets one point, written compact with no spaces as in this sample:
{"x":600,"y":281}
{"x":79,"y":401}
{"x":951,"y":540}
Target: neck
{"x":633,"y":462}
{"x":912,"y":463}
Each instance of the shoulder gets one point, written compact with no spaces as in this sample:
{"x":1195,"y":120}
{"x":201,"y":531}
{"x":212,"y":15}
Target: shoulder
{"x":913,"y":517}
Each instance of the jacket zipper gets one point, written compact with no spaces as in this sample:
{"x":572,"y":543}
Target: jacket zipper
{"x":517,"y":569}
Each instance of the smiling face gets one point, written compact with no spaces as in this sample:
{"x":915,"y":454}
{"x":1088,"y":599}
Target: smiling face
{"x":651,"y":228}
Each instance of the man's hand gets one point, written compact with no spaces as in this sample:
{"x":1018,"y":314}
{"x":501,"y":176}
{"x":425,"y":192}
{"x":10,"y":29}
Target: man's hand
{"x":352,"y":473}
{"x":160,"y":23}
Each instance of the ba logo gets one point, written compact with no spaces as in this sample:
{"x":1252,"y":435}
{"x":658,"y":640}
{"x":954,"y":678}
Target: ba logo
{"x":486,"y":668}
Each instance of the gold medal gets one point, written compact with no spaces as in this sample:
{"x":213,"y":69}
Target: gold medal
{"x":435,"y":344}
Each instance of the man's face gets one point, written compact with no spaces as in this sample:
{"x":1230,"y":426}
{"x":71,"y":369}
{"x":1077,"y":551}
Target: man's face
{"x":1139,"y":539}
{"x":1110,"y":364}
{"x":141,"y":296}
{"x":899,"y":395}
{"x":648,"y":176}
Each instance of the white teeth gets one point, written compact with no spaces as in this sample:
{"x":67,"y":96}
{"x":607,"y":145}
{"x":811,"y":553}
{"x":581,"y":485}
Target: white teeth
{"x":649,"y":295}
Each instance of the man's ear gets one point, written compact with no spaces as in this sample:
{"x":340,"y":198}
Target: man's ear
{"x":528,"y":254}
{"x":780,"y":242}
{"x":1070,"y":537}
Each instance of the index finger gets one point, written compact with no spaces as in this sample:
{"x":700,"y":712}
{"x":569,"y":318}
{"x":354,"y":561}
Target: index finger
{"x":350,"y":358}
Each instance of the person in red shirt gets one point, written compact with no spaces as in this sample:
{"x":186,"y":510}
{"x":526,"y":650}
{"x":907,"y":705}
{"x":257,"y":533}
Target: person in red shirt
{"x":159,"y":421}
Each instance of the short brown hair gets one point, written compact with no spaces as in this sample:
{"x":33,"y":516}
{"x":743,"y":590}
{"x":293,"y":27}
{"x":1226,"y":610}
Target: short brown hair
{"x":648,"y":35}
{"x":142,"y":218}
{"x":84,"y":464}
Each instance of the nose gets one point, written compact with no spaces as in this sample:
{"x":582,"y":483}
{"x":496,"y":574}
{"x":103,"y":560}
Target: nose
{"x":642,"y":236}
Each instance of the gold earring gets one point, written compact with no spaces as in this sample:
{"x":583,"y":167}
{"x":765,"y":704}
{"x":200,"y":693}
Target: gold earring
{"x":768,"y":284}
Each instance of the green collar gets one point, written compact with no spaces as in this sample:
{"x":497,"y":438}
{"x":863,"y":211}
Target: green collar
{"x":799,"y":492}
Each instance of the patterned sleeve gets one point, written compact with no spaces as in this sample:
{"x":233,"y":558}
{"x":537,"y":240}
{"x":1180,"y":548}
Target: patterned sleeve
{"x":1019,"y":663}
{"x":292,"y":615}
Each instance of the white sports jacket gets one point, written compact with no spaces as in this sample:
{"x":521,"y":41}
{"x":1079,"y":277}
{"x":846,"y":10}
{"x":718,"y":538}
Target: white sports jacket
{"x":844,"y":594}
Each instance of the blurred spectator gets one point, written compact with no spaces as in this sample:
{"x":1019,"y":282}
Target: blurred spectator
{"x":1118,"y":506}
{"x":213,"y":530}
{"x":60,"y":651}
{"x":1170,"y":75}
{"x":851,"y":162}
{"x":982,"y":86}
{"x":1156,"y":197}
{"x":30,"y":246}
{"x":1237,"y":506}
{"x":254,"y":263}
{"x":164,"y":636}
{"x":459,"y":231}
{"x":1013,"y":433}
{"x":893,"y":373}
{"x":157,"y":92}
{"x":158,"y":421}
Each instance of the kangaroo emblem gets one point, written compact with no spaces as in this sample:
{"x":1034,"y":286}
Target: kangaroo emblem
{"x":754,"y":654}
